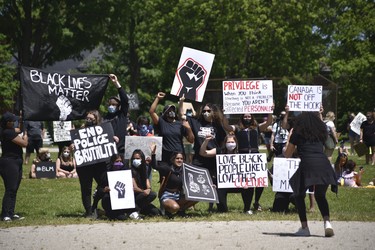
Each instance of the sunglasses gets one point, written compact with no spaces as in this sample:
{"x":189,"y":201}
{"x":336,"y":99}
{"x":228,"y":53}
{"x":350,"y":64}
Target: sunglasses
{"x":207,"y":111}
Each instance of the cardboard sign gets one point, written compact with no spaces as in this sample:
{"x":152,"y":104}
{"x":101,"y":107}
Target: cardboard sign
{"x":133,"y":101}
{"x":45,"y":169}
{"x":121,"y":189}
{"x":143,"y":143}
{"x":283,"y":169}
{"x":304,"y":97}
{"x":61,"y":131}
{"x":192,"y":74}
{"x":355,"y":125}
{"x":361,"y":149}
{"x":247,"y":96}
{"x":198,"y":184}
{"x":241,"y":170}
{"x":93,"y":144}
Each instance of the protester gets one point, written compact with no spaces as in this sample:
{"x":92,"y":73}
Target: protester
{"x":367,"y":136}
{"x":247,"y":132}
{"x":144,"y":128}
{"x":66,"y":164}
{"x":308,"y":136}
{"x":35,"y":134}
{"x":231,"y":147}
{"x":143,"y":194}
{"x":353,"y":136}
{"x":87,"y":173}
{"x":43,"y":156}
{"x":117,"y":113}
{"x":279,"y":135}
{"x":11,"y":164}
{"x":267,"y":138}
{"x":332,"y":135}
{"x":352,"y":178}
{"x":170,"y":129}
{"x":172,"y":199}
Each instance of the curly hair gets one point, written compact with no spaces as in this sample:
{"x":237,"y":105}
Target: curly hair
{"x":311,"y":127}
{"x":217,"y":114}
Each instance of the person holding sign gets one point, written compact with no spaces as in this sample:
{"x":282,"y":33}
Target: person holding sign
{"x":247,"y":132}
{"x":87,"y":173}
{"x":367,"y":136}
{"x":308,"y":136}
{"x":170,"y":129}
{"x":171,"y":197}
{"x":11,"y":163}
{"x":117,"y":113}
{"x":43,"y":156}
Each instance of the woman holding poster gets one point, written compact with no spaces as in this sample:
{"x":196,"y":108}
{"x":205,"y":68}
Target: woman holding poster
{"x":308,"y":136}
{"x":247,"y":132}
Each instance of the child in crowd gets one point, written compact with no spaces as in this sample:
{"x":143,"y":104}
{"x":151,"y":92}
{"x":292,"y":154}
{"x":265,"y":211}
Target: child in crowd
{"x":352,"y":178}
{"x":43,"y":155}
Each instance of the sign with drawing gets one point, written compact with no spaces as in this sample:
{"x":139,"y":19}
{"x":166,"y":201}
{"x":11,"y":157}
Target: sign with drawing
{"x":198,"y":184}
{"x":121,"y":189}
{"x":61,"y":131}
{"x":192,"y":74}
{"x":247,"y":96}
{"x":241,"y":170}
{"x":143,"y":143}
{"x":53,"y":96}
{"x":93,"y":144}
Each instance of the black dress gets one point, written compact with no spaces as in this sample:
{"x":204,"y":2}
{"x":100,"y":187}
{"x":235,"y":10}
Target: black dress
{"x":314,"y":168}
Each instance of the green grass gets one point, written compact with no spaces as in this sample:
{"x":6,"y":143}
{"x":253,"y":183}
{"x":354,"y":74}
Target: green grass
{"x":58,"y":202}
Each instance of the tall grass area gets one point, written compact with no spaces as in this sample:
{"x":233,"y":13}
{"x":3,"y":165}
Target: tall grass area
{"x":58,"y":202}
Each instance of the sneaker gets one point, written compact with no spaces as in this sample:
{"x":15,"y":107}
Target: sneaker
{"x":303,"y":232}
{"x":249,"y":212}
{"x":135,"y":216}
{"x":183,"y":214}
{"x":257,"y":207}
{"x":328,"y":230}
{"x":7,"y":219}
{"x":94,"y":214}
{"x":17,"y":217}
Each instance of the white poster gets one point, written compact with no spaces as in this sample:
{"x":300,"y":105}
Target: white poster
{"x":241,"y":170}
{"x":248,"y":96}
{"x":304,"y":97}
{"x":121,"y":189}
{"x":283,"y":169}
{"x":192,"y":74}
{"x":355,"y":125}
{"x":143,"y":143}
{"x":61,"y":131}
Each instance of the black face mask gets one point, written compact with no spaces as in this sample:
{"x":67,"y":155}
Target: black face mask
{"x":246,"y":122}
{"x":89,"y":123}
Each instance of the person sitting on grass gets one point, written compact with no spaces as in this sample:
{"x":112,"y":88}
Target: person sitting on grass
{"x":43,"y":156}
{"x":352,"y":178}
{"x":66,"y":165}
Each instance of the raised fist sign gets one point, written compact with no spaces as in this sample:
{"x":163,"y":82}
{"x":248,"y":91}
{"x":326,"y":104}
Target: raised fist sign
{"x":120,"y":187}
{"x":191,"y":75}
{"x":64,"y":106}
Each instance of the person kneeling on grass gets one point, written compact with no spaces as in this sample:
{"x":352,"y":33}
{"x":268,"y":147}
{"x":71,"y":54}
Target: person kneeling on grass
{"x":171,"y":197}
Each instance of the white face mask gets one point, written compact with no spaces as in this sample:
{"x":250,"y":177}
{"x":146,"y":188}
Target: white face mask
{"x":66,"y":154}
{"x":137,"y":162}
{"x":207,"y":116}
{"x":230,"y":145}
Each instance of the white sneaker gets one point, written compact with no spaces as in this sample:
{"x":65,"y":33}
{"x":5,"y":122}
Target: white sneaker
{"x":328,"y":230}
{"x":303,"y":232}
{"x":7,"y":219}
{"x":249,"y":212}
{"x":17,"y":217}
{"x":135,"y":216}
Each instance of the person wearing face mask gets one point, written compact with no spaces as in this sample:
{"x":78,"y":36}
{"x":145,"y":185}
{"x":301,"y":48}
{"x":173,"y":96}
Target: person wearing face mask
{"x":143,"y":195}
{"x":88,"y":173}
{"x":143,"y":127}
{"x":171,"y":129}
{"x":66,"y":165}
{"x":367,"y":136}
{"x":230,"y":147}
{"x":43,"y":155}
{"x":118,"y":113}
{"x":247,"y":132}
{"x":279,"y":136}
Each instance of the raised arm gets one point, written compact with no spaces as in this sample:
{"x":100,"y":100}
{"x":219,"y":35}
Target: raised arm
{"x":181,"y":108}
{"x":124,"y":100}
{"x":153,"y":114}
{"x":189,"y":132}
{"x":203,"y":151}
{"x":284,"y":122}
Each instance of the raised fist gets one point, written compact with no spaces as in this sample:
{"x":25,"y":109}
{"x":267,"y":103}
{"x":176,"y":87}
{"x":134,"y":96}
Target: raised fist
{"x":65,"y":107}
{"x":120,"y":187}
{"x":191,"y":75}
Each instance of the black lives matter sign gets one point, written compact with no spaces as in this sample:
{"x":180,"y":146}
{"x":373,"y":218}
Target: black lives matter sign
{"x":93,"y":144}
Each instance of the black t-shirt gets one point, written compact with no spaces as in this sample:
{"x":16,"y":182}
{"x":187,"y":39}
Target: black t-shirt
{"x":9,"y":148}
{"x":172,"y":133}
{"x":247,"y":140}
{"x":368,"y":130}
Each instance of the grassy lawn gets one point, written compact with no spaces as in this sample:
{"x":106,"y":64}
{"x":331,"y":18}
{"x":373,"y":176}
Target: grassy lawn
{"x":58,"y":202}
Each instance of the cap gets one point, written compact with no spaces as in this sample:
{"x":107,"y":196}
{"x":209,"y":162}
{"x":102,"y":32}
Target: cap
{"x":8,"y":117}
{"x":168,"y":107}
{"x":116,"y":98}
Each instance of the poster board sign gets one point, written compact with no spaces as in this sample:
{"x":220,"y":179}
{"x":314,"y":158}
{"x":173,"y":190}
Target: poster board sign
{"x":283,"y":169}
{"x":133,"y":101}
{"x":355,"y":125}
{"x":143,"y":143}
{"x":93,"y":144}
{"x":121,"y":189}
{"x":60,"y":97}
{"x":361,"y":149}
{"x":192,"y":74}
{"x":45,"y":169}
{"x":198,"y":184}
{"x":241,"y":170}
{"x":247,"y":96}
{"x":304,"y":97}
{"x":61,"y":131}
